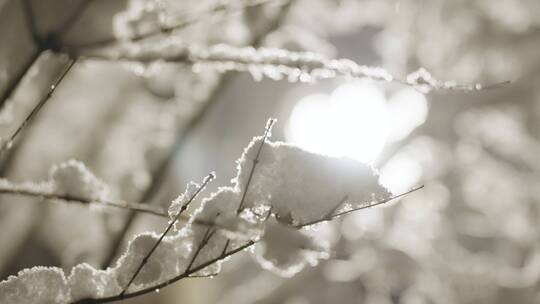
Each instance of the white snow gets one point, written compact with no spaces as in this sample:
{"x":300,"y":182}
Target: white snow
{"x":295,"y":185}
{"x":162,"y":265}
{"x":37,"y":284}
{"x":85,"y":282}
{"x":286,"y":251}
{"x":301,"y":186}
{"x":72,"y":178}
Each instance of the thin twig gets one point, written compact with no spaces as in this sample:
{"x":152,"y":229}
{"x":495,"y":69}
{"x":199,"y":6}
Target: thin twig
{"x":144,"y":208}
{"x":138,"y":207}
{"x":208,"y":234}
{"x":188,"y":19}
{"x":331,"y":212}
{"x":7,"y":144}
{"x":210,"y":177}
{"x":333,"y":216}
{"x":267,"y":132}
{"x":227,"y":243}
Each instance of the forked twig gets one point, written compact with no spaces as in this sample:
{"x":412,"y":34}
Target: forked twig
{"x":183,"y":275}
{"x":208,"y":234}
{"x":183,"y":208}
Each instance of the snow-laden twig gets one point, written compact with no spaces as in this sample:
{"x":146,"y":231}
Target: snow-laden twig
{"x":15,"y":189}
{"x":183,"y":208}
{"x":334,"y":215}
{"x":166,"y":283}
{"x":46,"y":191}
{"x":276,"y":64}
{"x":267,"y":133}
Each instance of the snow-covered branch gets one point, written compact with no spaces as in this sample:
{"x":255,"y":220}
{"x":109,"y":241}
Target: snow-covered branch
{"x":80,"y":177}
{"x":289,"y":189}
{"x":276,"y":64}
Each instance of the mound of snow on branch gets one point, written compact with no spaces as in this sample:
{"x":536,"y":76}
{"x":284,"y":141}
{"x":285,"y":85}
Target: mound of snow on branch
{"x":288,"y":188}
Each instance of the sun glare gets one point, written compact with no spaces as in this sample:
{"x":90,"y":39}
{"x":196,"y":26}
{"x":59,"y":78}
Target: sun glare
{"x":352,"y":122}
{"x":355,"y":120}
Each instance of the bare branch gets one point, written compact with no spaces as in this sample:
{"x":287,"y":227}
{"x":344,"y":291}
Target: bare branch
{"x":6,"y":145}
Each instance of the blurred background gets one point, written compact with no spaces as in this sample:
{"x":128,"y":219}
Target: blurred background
{"x":470,"y":236}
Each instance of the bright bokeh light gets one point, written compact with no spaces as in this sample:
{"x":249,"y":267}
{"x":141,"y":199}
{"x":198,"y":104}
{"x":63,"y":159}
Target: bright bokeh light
{"x":408,"y":110}
{"x":355,"y":120}
{"x":352,"y":122}
{"x":400,"y":173}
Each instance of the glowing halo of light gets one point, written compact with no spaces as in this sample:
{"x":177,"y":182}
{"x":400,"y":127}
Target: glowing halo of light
{"x":353,"y":121}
